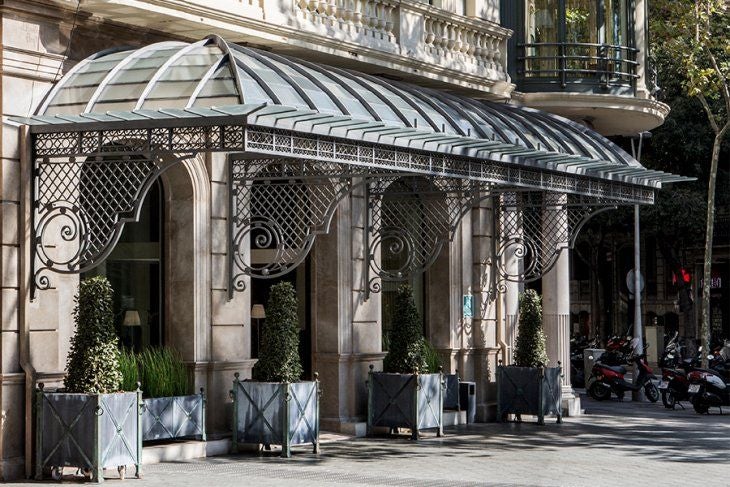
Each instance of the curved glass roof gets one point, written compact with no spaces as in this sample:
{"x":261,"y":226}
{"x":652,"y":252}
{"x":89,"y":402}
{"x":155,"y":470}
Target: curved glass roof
{"x":213,"y":76}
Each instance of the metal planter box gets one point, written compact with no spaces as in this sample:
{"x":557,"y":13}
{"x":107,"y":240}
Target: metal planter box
{"x":451,"y":394}
{"x":529,"y":390}
{"x":88,"y":431}
{"x":275,"y":413}
{"x":169,"y":418}
{"x":412,"y":401}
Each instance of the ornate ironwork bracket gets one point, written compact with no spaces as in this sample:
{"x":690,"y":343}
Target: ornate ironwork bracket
{"x":81,"y":206}
{"x":532,"y":229}
{"x":409,"y":220}
{"x":277,"y":208}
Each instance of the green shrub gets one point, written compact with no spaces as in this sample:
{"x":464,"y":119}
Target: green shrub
{"x":530,"y":349}
{"x":406,"y":345}
{"x":93,"y":362}
{"x":128,"y":367}
{"x":279,"y":354}
{"x":433,"y":359}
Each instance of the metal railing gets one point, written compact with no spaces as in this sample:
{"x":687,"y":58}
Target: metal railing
{"x":584,"y":63}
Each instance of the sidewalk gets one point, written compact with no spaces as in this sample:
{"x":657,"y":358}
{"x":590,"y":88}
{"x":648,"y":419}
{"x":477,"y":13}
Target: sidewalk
{"x":627,"y":443}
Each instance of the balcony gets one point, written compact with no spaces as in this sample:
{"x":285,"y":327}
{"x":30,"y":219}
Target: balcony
{"x":600,"y":68}
{"x":397,"y":38}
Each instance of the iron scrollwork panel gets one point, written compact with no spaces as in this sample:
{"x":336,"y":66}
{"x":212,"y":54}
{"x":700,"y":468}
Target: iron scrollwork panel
{"x":410,"y":219}
{"x":81,"y":206}
{"x":278,"y":207}
{"x":534,"y":228}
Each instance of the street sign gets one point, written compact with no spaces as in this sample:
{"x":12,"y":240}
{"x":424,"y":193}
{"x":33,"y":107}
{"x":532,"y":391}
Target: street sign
{"x":630,"y":281}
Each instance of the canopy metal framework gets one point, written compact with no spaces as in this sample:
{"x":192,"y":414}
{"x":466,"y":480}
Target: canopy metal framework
{"x":300,"y":137}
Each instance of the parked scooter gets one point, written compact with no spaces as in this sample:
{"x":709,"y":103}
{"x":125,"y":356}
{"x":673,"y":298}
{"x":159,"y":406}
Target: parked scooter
{"x":675,"y":384}
{"x":607,"y":379}
{"x":711,"y":387}
{"x":618,"y":350}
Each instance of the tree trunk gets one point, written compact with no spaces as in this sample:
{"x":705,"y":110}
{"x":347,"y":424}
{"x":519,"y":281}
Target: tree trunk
{"x":707,"y":274}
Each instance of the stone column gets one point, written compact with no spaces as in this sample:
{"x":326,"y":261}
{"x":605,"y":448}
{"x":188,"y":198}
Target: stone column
{"x":484,"y":322}
{"x":346,"y":329}
{"x":556,"y":294}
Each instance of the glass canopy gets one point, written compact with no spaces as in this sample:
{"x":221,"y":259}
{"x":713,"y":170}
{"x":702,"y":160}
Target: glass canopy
{"x":214,"y":78}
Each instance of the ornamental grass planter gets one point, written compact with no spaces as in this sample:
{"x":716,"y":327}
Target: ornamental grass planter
{"x":529,"y":390}
{"x":174,"y":417}
{"x":88,"y":431}
{"x":413,"y":401}
{"x":275,"y":413}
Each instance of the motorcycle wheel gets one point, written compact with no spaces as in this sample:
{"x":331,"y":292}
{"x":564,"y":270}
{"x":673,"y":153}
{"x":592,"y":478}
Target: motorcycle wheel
{"x":599,"y":392}
{"x":651,"y":391}
{"x":699,"y":406}
{"x":669,"y":400}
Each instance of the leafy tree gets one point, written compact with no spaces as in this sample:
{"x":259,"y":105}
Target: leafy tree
{"x":696,"y":33}
{"x":407,"y":346}
{"x":530,"y":348}
{"x":93,"y":363}
{"x":279,"y":355}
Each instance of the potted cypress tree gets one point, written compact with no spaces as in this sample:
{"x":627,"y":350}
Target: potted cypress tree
{"x":405,"y":395}
{"x":90,"y":424}
{"x":168,"y":412}
{"x":529,"y":386}
{"x":276,"y":408}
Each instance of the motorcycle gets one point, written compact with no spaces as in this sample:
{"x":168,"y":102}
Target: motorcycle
{"x":609,"y":380}
{"x":618,"y":350}
{"x":711,"y":387}
{"x":675,"y":384}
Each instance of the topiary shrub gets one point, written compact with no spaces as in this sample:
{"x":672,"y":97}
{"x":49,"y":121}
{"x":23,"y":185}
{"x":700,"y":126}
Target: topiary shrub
{"x":530,"y":349}
{"x":406,"y":344}
{"x":279,"y":353}
{"x":93,"y":362}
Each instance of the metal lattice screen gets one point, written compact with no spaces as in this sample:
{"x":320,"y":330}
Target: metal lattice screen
{"x":81,"y":207}
{"x":534,"y":227}
{"x":278,"y":208}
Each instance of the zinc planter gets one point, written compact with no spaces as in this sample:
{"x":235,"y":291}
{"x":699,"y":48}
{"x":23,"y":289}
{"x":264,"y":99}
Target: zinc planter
{"x":88,"y":431}
{"x":169,"y":418}
{"x":412,"y":401}
{"x":275,"y":413}
{"x":529,"y":390}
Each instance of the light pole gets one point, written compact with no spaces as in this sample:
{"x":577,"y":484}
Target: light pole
{"x":638,"y":329}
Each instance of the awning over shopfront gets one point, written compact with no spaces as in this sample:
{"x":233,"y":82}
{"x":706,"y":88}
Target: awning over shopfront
{"x":173,"y":98}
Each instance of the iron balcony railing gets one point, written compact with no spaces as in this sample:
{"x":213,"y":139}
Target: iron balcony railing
{"x":600,"y":65}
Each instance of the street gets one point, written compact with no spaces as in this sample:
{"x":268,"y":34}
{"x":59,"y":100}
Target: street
{"x":613,"y":443}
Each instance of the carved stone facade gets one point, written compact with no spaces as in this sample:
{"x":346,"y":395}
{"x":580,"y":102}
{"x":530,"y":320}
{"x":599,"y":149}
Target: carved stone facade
{"x":456,"y":45}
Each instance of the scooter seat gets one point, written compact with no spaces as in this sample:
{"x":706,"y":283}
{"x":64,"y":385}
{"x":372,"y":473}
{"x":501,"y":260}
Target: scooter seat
{"x":618,"y":369}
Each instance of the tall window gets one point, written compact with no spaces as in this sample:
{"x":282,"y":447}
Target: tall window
{"x":134,"y":269}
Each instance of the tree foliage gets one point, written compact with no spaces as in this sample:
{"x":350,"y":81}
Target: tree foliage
{"x":279,"y":354}
{"x":697,"y":35}
{"x":407,"y":347}
{"x":93,"y":362}
{"x":530,"y":348}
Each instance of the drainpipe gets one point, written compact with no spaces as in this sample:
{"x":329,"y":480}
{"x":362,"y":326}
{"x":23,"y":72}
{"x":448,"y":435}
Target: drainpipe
{"x":498,"y":298}
{"x":26,"y":207}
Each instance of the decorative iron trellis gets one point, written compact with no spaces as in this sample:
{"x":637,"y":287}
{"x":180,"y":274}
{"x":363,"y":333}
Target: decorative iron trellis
{"x":89,"y":183}
{"x":84,"y":203}
{"x":535,"y":227}
{"x":410,"y":219}
{"x":278,"y":207}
